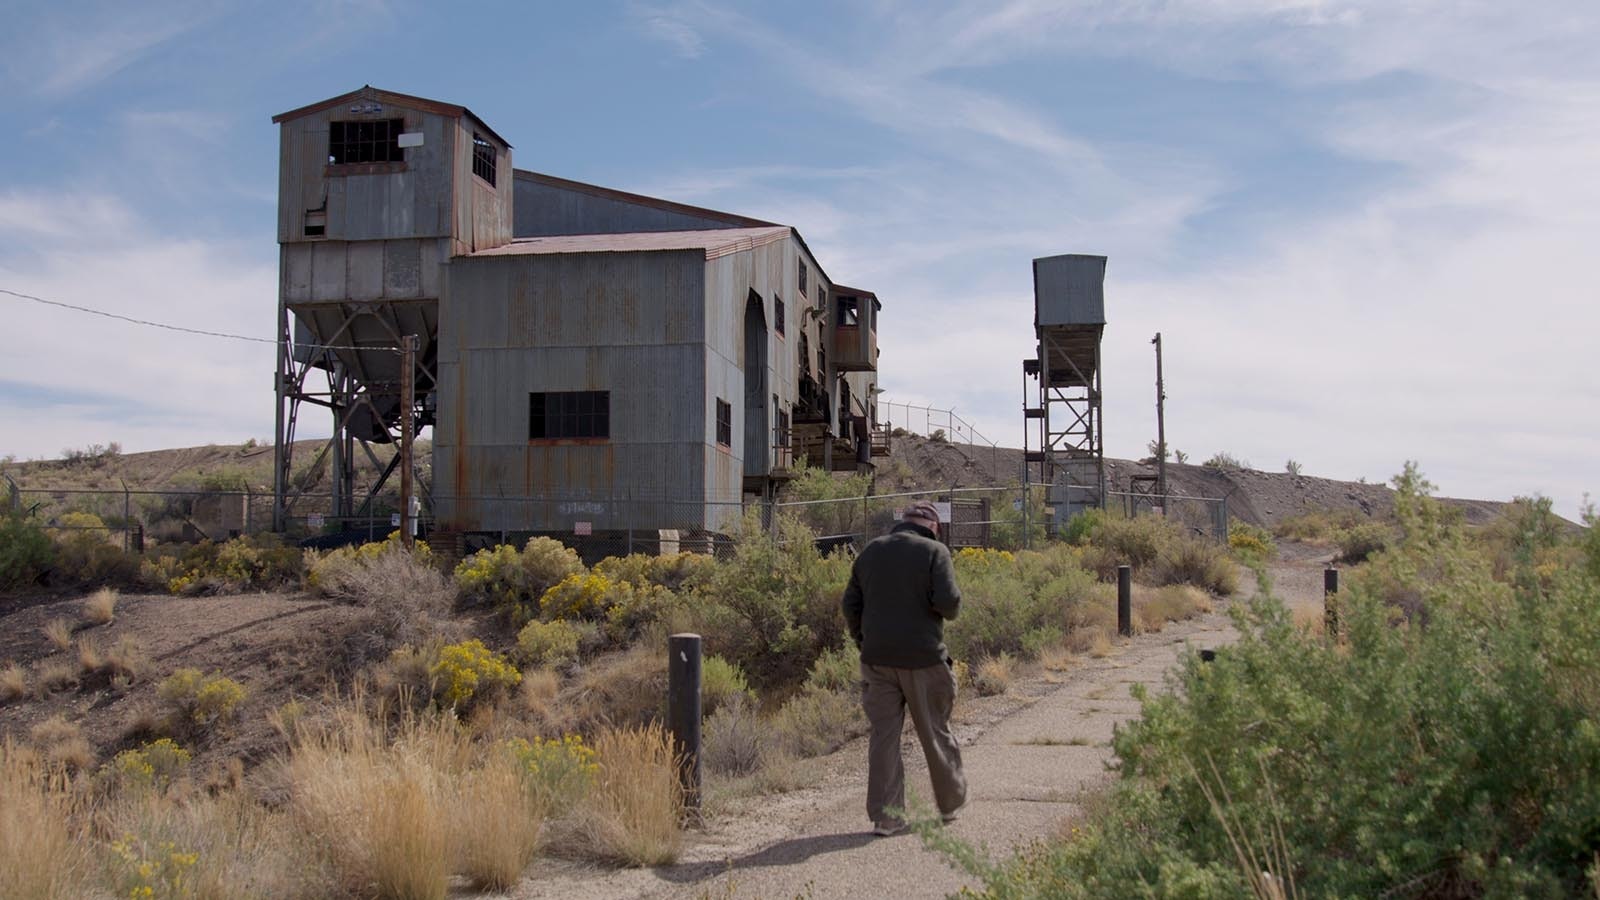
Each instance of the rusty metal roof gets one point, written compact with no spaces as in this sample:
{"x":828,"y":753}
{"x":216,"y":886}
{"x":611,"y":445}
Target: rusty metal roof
{"x":640,"y":199}
{"x":715,"y":242}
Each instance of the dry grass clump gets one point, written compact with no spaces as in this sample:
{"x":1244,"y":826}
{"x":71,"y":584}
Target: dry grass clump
{"x":634,"y":811}
{"x":506,"y":823}
{"x":59,"y":633}
{"x":185,"y":843}
{"x":627,"y":689}
{"x":13,"y":683}
{"x":405,"y":602}
{"x":101,"y":607}
{"x":41,"y":853}
{"x":62,"y":743}
{"x":383,"y":812}
{"x":1055,"y":658}
{"x":994,"y":674}
{"x":54,"y":675}
{"x":1153,"y":609}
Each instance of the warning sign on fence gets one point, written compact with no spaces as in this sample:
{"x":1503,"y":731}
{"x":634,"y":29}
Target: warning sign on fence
{"x":583,"y":529}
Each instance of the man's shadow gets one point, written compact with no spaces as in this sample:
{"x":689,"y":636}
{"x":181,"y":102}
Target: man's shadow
{"x":783,"y":853}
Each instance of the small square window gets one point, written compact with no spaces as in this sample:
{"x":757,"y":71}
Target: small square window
{"x":724,"y":423}
{"x":483,"y":157}
{"x":777,"y":314}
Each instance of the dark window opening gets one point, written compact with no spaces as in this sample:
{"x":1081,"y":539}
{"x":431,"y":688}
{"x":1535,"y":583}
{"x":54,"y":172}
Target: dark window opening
{"x":802,"y":277}
{"x":569,"y":414}
{"x":724,"y":423}
{"x":849,"y":312}
{"x":783,"y":428}
{"x":805,"y":354}
{"x":365,"y":142}
{"x":822,"y":362}
{"x":316,"y":230}
{"x":822,"y":296}
{"x":483,"y":158}
{"x":777,"y":314}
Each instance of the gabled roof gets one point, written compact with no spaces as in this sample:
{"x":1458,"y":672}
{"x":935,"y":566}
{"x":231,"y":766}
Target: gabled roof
{"x":715,"y":242}
{"x":368,"y":92}
{"x":596,"y":190}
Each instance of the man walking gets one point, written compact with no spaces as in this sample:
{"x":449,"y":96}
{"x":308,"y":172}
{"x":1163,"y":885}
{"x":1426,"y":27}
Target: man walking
{"x":902,"y":589}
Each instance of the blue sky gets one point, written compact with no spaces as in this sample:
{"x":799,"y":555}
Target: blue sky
{"x":1365,"y":230}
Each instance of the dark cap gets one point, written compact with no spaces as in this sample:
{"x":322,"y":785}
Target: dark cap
{"x":923,"y":510}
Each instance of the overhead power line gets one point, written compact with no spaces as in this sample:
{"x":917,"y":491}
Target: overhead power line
{"x":179,"y":328}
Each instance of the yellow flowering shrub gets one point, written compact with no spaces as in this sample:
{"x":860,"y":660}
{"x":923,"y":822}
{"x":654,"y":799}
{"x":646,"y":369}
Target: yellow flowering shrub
{"x":980,"y":558}
{"x":578,"y":596}
{"x":154,"y":764}
{"x":204,"y":699}
{"x":153,"y":871}
{"x":514,"y":581}
{"x":469,"y":671}
{"x":557,"y":772}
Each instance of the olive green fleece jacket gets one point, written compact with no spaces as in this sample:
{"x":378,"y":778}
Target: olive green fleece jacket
{"x":902,"y":589}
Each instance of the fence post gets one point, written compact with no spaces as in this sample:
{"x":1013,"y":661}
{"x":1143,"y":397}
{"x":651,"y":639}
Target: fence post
{"x":1330,"y":601}
{"x":683,"y":714}
{"x":127,"y":519}
{"x":1125,"y":601}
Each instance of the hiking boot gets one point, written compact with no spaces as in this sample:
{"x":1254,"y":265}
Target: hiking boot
{"x":889,"y":829}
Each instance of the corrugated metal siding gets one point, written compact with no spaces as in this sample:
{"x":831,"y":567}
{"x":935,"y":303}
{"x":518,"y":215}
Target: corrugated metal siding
{"x":1069,"y":290}
{"x":414,"y":202}
{"x":626,"y":323}
{"x":543,"y":210}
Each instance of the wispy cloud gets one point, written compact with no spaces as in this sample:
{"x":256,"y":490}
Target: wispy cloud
{"x":671,"y":29}
{"x":70,"y":56}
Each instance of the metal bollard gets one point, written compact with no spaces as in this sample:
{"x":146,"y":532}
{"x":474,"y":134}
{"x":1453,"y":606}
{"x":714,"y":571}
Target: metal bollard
{"x":1330,"y":602}
{"x":683,"y":715}
{"x":1125,"y":601}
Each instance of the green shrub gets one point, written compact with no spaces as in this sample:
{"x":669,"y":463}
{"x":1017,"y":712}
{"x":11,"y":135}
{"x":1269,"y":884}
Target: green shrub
{"x":1196,"y":561}
{"x":548,"y":643}
{"x":1359,"y":543}
{"x":720,"y":683}
{"x":469,"y":673}
{"x":1399,"y":761}
{"x":348,"y":573}
{"x":838,"y":669}
{"x":815,"y":722}
{"x":26,"y":552}
{"x":1003,"y":604}
{"x":1137,"y":541}
{"x":202,"y":699}
{"x":773,"y":607}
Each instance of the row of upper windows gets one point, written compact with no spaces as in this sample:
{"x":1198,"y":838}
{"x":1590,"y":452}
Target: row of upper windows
{"x":378,"y":141}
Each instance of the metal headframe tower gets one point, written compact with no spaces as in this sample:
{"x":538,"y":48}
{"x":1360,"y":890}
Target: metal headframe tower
{"x":1069,"y":318}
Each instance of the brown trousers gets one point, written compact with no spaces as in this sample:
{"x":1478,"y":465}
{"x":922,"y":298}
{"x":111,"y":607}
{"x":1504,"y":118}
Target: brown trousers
{"x":886,"y":694}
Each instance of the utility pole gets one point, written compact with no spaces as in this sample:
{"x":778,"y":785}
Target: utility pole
{"x":408,"y":391}
{"x":1161,"y":427}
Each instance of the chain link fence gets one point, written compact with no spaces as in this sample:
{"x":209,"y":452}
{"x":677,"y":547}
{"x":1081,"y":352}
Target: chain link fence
{"x":1013,"y":517}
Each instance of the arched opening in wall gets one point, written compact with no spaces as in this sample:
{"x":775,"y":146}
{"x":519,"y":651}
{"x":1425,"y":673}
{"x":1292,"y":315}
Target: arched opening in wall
{"x":756,"y":451}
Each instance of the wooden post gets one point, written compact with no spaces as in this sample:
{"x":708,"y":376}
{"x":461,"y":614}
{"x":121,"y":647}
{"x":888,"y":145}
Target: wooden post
{"x":1125,"y":601}
{"x":1330,"y":601}
{"x":683,"y":715}
{"x":408,"y":391}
